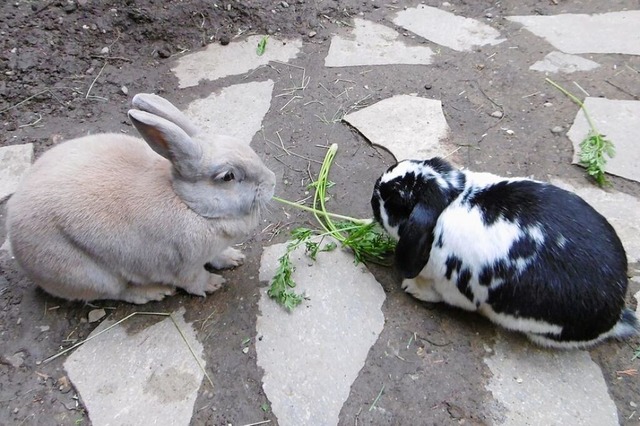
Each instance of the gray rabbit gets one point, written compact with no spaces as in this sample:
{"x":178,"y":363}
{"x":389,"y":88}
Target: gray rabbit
{"x":109,"y":216}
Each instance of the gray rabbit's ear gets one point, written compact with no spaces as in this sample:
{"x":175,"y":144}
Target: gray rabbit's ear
{"x":161,"y":107}
{"x":168,"y":140}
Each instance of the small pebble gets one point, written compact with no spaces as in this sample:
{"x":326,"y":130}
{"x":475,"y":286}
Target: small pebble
{"x":164,"y":52}
{"x":44,"y":328}
{"x":16,"y":360}
{"x":224,"y":40}
{"x":70,"y":7}
{"x":96,"y":315}
{"x":519,"y":380}
{"x":488,"y":15}
{"x":428,"y":86}
{"x":557,"y":129}
{"x":510,"y":132}
{"x":497,"y":114}
{"x":284,"y":4}
{"x":245,"y":350}
{"x":312,"y":34}
{"x":124,"y":90}
{"x":633,"y":404}
{"x":547,"y":104}
{"x":105,"y":50}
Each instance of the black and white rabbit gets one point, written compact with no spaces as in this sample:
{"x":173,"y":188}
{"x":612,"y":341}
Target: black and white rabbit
{"x":528,"y":255}
{"x":111,"y":216}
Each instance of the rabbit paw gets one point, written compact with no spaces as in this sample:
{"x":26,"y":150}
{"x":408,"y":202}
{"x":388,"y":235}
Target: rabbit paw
{"x":421,"y":289}
{"x":214,"y":283}
{"x":140,"y":294}
{"x":228,"y":258}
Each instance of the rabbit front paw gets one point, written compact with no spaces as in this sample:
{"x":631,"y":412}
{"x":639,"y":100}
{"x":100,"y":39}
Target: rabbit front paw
{"x":228,"y":258}
{"x":214,"y":283}
{"x":421,"y":289}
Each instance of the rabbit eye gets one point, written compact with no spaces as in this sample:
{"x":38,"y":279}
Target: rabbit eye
{"x":224,"y":176}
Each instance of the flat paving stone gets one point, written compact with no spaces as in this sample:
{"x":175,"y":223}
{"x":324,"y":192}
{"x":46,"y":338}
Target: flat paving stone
{"x":620,"y":209}
{"x":312,"y":355}
{"x":409,"y":127}
{"x":6,"y":247}
{"x":619,"y":121}
{"x":547,"y":387}
{"x":236,"y":111}
{"x":15,"y":162}
{"x":563,"y":62}
{"x":447,"y":29}
{"x":217,"y":61}
{"x":158,"y":383}
{"x":613,"y":32}
{"x":373,"y":44}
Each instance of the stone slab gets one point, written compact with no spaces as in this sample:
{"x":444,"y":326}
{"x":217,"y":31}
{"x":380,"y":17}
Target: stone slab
{"x":236,"y":111}
{"x":613,"y":32}
{"x":547,"y":387}
{"x":141,"y":378}
{"x":409,"y":127}
{"x":563,"y":62}
{"x":447,"y":29}
{"x":620,"y":209}
{"x":619,"y":121}
{"x":217,"y":61}
{"x":15,"y":162}
{"x":6,"y":246}
{"x":373,"y":44}
{"x":312,"y":355}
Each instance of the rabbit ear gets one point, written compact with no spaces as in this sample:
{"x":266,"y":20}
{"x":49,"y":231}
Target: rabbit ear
{"x":161,"y":107}
{"x":416,"y":239}
{"x":168,"y":140}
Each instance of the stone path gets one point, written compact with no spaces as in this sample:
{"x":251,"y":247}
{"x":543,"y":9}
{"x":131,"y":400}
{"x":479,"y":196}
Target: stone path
{"x":330,"y":338}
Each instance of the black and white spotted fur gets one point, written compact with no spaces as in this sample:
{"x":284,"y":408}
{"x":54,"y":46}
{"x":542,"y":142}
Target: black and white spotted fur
{"x":528,"y":255}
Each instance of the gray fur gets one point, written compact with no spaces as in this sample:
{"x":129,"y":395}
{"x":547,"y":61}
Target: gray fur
{"x":105,"y":217}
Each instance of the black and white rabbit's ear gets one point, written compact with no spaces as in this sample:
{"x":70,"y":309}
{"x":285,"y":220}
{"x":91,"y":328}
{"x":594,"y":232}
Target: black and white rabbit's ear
{"x":416,"y":239}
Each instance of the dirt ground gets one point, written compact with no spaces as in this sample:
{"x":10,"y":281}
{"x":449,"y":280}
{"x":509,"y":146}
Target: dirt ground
{"x":69,"y":68}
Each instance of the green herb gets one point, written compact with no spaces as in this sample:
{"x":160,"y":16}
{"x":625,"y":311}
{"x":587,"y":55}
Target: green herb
{"x":262,"y":45}
{"x":265,"y":407}
{"x":592,"y":151}
{"x":282,"y":283}
{"x":594,"y":147}
{"x":636,"y":355}
{"x":364,"y":237}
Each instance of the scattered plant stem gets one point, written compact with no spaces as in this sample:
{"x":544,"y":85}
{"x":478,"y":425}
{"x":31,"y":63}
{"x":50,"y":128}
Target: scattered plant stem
{"x":594,"y":147}
{"x":375,"y":401}
{"x":363,"y":236}
{"x":95,"y":79}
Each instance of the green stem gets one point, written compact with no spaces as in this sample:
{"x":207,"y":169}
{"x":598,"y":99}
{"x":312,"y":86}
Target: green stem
{"x":321,"y":190}
{"x":577,"y":101}
{"x":312,"y":210}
